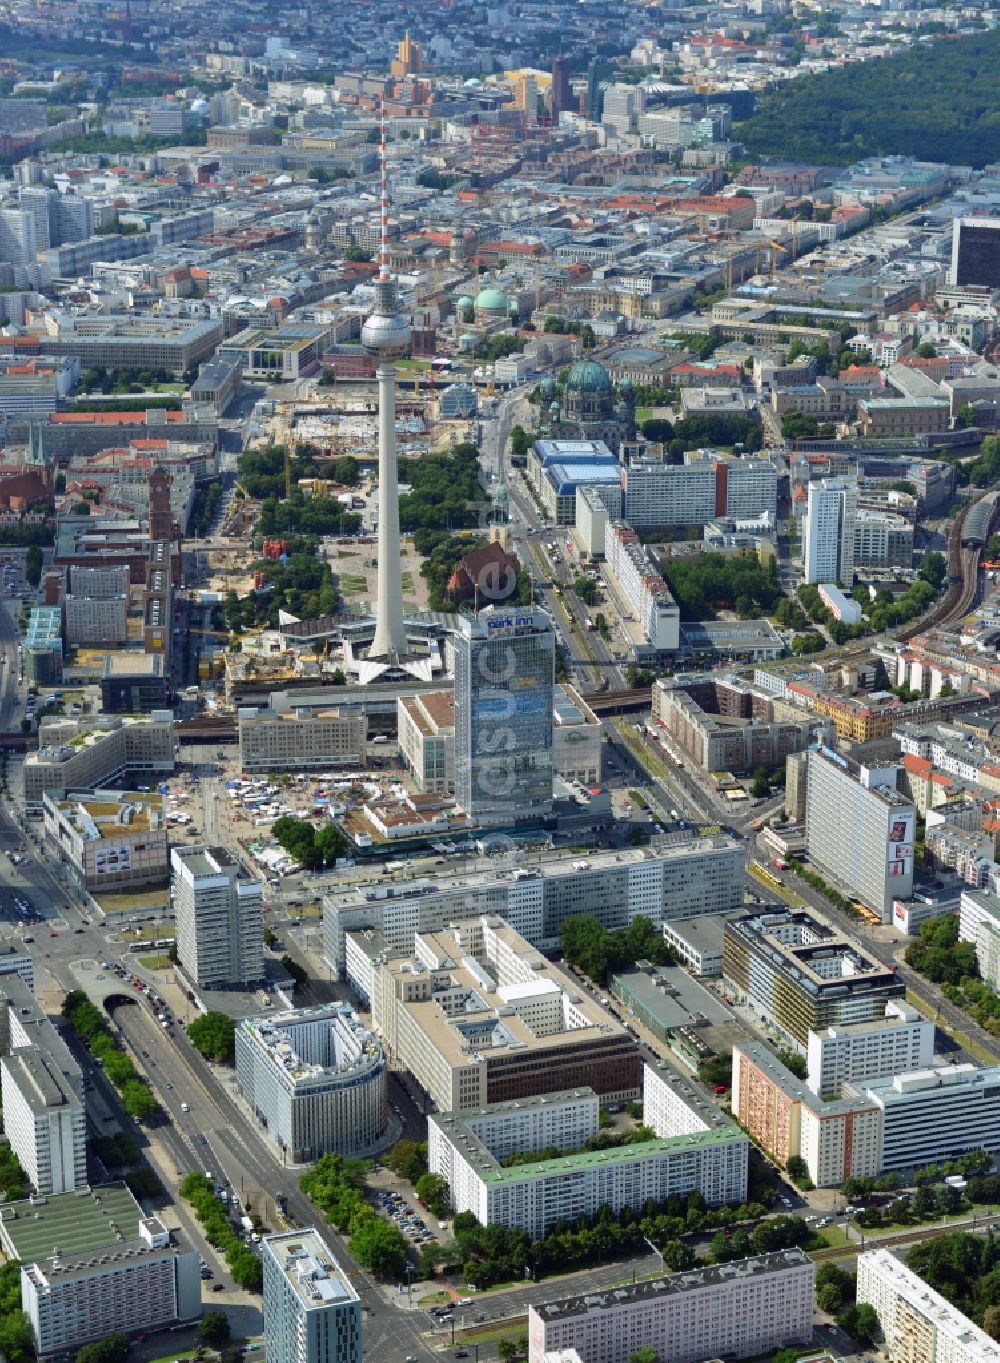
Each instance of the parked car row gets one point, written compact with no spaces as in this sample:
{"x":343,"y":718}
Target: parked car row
{"x":406,"y":1219}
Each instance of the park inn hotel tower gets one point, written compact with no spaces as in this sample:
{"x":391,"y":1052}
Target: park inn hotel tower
{"x":504,"y":679}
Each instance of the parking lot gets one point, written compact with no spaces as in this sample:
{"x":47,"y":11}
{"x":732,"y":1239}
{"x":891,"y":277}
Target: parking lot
{"x":415,"y":1222}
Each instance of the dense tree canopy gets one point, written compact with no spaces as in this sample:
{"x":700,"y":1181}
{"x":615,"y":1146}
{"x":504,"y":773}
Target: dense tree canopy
{"x":729,"y":581}
{"x":588,"y":945}
{"x":214,"y":1034}
{"x":935,"y":101}
{"x":938,"y":954}
{"x":16,"y":1339}
{"x":964,"y":1268}
{"x":442,"y":487}
{"x":314,"y":848}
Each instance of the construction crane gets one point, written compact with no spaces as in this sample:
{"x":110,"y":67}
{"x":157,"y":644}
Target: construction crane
{"x":776,"y":246}
{"x":288,"y":472}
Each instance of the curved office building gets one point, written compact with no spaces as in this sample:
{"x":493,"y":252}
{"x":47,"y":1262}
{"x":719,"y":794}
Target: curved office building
{"x":316,"y":1078}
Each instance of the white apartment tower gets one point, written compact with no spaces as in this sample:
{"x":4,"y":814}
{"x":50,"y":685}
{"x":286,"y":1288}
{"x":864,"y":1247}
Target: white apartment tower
{"x":44,"y":1121}
{"x":875,"y":862}
{"x":219,"y":917}
{"x":312,"y":1313}
{"x":829,"y":537}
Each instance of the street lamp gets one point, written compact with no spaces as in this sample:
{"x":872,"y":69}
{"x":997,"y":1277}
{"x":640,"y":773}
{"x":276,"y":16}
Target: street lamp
{"x":410,"y":1270}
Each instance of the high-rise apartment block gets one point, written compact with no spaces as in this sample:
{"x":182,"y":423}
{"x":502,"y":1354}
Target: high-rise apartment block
{"x":829,"y":533}
{"x":894,"y":1122}
{"x":697,"y":1149}
{"x":675,"y":877}
{"x":312,"y":1312}
{"x":93,"y":1264}
{"x":902,"y":1040}
{"x":837,"y":1139}
{"x":917,"y":1324}
{"x":979,"y":922}
{"x":219,"y":917}
{"x":749,"y":1306}
{"x":875,"y":862}
{"x":504,"y":678}
{"x":44,"y":1120}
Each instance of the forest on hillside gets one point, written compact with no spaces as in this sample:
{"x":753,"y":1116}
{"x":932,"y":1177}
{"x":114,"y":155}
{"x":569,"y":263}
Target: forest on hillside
{"x":936,"y":101}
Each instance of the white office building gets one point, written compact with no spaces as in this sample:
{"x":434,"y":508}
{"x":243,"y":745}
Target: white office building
{"x":316,"y":1078}
{"x":89,"y":753}
{"x":902,"y":1040}
{"x":882,"y":539}
{"x":936,"y":1114}
{"x":696,"y":1148}
{"x":673,"y":878}
{"x":829,"y":533}
{"x":219,"y":918}
{"x":874,"y":864}
{"x":918,"y":1325}
{"x":660,"y":494}
{"x":44,"y":1120}
{"x":16,"y":961}
{"x":748,"y":1307}
{"x":312,"y":1312}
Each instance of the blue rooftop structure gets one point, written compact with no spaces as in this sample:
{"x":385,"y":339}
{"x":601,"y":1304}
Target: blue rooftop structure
{"x":569,"y":463}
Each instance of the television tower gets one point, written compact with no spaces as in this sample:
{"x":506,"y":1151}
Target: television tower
{"x":386,"y":335}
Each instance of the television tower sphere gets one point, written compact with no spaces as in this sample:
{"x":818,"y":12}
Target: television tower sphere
{"x":386,"y":332}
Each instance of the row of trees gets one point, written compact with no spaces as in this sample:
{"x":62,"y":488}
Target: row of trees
{"x":206,"y":505}
{"x":315,"y":848}
{"x":588,"y":945}
{"x":211,"y":1212}
{"x":17,"y":1340}
{"x":336,"y":1185}
{"x":488,"y":1255}
{"x":92,"y":1028}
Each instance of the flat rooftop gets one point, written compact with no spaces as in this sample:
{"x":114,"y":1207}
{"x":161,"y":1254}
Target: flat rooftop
{"x":71,"y":1223}
{"x":666,"y":847}
{"x":770,"y":1066}
{"x":310,"y":1268}
{"x":95,"y":817}
{"x":713,"y":1275}
{"x":673,"y":997}
{"x":38,"y":1078}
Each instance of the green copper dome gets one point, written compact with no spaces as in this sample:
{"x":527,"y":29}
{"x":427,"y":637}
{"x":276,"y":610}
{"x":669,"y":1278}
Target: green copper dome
{"x":492,"y":300}
{"x":587,"y":376}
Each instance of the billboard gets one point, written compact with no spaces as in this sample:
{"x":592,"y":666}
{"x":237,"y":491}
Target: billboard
{"x":899,"y":848}
{"x":109,"y":859}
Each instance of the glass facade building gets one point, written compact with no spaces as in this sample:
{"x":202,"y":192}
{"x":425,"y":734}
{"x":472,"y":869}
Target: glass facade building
{"x":504,"y":678}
